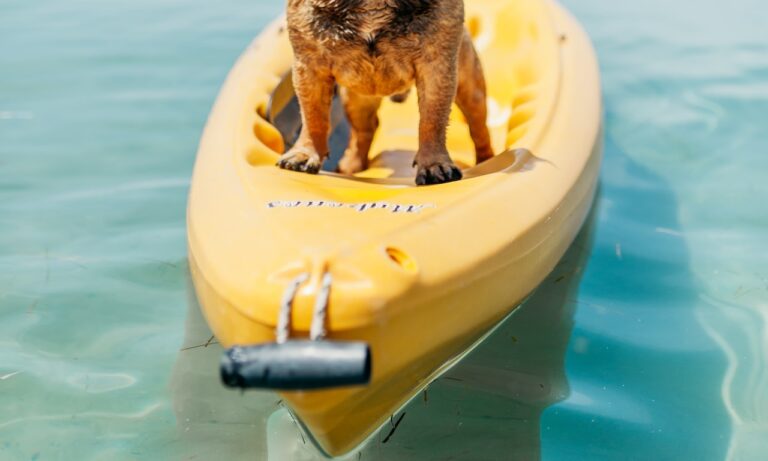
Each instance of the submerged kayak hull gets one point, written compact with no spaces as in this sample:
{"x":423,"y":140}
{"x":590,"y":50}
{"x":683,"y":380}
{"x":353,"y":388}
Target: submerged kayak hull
{"x":420,"y":274}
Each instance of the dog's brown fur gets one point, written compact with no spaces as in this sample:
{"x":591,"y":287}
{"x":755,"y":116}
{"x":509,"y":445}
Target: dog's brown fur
{"x":379,"y":48}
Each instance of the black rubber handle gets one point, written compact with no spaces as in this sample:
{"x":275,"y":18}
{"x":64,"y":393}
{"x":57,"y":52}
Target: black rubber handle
{"x":297,"y":365}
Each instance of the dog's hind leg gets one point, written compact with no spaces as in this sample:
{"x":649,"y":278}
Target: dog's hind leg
{"x":471,"y":98}
{"x":363,"y":119}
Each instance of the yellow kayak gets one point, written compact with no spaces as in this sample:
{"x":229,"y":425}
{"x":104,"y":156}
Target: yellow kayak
{"x":387,"y":282}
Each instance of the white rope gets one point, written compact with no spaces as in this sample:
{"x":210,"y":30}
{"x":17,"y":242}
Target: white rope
{"x":283,"y":330}
{"x":319,"y":330}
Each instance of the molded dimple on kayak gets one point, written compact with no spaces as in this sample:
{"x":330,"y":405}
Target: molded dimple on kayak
{"x":268,"y":135}
{"x":402,"y":259}
{"x":474,"y":26}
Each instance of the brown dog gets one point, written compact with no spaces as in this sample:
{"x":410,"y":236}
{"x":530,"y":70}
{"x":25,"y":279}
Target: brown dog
{"x":379,"y":48}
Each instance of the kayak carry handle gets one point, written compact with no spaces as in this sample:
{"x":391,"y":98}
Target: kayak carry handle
{"x":298,"y":365}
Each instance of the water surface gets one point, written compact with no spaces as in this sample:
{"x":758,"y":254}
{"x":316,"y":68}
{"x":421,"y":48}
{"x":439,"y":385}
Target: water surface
{"x":648,"y":341}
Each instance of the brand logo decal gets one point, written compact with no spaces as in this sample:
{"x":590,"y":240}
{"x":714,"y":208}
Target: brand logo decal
{"x":359,"y":207}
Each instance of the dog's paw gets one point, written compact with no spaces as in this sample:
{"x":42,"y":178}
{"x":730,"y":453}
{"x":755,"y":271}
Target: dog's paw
{"x":438,"y":172}
{"x":301,"y":159}
{"x":351,"y":163}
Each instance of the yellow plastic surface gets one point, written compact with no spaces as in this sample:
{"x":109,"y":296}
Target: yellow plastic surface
{"x":419,"y":273}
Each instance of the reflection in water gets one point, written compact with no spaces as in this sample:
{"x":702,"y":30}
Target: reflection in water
{"x":686,"y":178}
{"x":640,"y":365}
{"x":740,"y":330}
{"x":214,"y":422}
{"x":487,"y":407}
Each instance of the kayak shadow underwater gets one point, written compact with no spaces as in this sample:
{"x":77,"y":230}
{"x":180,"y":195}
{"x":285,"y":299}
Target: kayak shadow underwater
{"x":486,"y":407}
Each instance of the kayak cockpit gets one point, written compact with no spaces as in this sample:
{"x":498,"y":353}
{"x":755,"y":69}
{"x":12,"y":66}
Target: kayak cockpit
{"x":521,"y":62}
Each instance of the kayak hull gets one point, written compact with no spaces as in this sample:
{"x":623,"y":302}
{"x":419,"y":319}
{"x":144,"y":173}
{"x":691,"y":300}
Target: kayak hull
{"x":420,"y":274}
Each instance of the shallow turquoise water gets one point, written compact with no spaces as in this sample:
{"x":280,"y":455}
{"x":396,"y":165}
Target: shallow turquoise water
{"x":648,"y":342}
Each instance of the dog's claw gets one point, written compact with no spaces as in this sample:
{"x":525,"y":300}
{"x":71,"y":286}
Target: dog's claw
{"x":300,"y":160}
{"x":437,"y":173}
{"x":310,"y":168}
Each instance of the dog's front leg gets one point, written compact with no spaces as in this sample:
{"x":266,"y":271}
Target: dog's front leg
{"x":314,"y":87}
{"x":436,"y":81}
